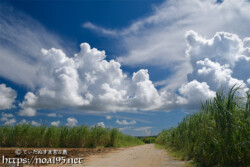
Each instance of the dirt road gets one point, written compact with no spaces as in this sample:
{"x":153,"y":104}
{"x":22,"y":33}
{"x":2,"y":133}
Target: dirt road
{"x":139,"y":156}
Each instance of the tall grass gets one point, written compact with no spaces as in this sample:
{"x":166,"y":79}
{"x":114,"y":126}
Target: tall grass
{"x":218,"y":135}
{"x":64,"y":136}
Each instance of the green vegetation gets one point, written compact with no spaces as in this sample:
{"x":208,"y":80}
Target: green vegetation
{"x":219,"y":135}
{"x":148,"y":139}
{"x":176,"y":154}
{"x":159,"y":146}
{"x":82,"y":136}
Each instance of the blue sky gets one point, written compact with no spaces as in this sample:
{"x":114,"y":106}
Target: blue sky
{"x":161,"y":59}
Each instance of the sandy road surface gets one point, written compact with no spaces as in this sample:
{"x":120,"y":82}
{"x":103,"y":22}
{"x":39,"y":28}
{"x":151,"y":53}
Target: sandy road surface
{"x":139,"y":156}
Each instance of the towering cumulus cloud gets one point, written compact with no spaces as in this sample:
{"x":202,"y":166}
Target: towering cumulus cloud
{"x":88,"y":82}
{"x":217,"y":61}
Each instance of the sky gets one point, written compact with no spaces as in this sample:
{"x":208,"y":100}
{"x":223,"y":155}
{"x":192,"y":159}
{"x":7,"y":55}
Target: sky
{"x":140,"y":66}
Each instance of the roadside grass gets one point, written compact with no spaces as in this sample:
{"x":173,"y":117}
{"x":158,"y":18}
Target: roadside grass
{"x":176,"y":154}
{"x":179,"y":155}
{"x":189,"y":164}
{"x":25,"y":135}
{"x":160,"y":146}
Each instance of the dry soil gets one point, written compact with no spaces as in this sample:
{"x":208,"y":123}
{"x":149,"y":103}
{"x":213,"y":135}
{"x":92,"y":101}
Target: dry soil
{"x":138,"y":156}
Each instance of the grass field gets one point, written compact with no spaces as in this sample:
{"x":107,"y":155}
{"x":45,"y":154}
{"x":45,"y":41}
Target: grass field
{"x":218,"y":135}
{"x":64,"y":136}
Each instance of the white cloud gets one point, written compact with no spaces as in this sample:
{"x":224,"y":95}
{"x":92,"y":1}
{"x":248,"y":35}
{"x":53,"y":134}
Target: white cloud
{"x":4,"y":118}
{"x":146,"y":95}
{"x":55,"y":123}
{"x":4,"y":115}
{"x":125,"y":122}
{"x":51,"y":115}
{"x":145,"y":130}
{"x":100,"y":29}
{"x":88,"y":82}
{"x":34,"y":123}
{"x":60,"y":84}
{"x":195,"y":93}
{"x":7,"y":96}
{"x":248,"y":81}
{"x":54,"y":115}
{"x":221,"y":61}
{"x":101,"y":124}
{"x":23,"y":121}
{"x":59,"y":115}
{"x":71,"y":121}
{"x":28,"y":111}
{"x":10,"y":121}
{"x":108,"y":117}
{"x":225,"y":48}
{"x":216,"y":63}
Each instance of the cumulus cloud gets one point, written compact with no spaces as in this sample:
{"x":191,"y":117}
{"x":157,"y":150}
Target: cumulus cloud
{"x":88,"y":82}
{"x":23,"y":121}
{"x":27,"y":111}
{"x":108,"y":117}
{"x":146,"y":95}
{"x":5,"y":115}
{"x":55,"y":123}
{"x":125,"y":122}
{"x":34,"y":123}
{"x":248,"y":81}
{"x":71,"y":121}
{"x":217,"y":61}
{"x":101,"y":124}
{"x":7,"y":96}
{"x":196,"y":92}
{"x":225,"y":48}
{"x":8,"y":119}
